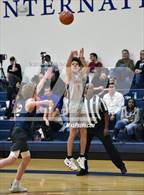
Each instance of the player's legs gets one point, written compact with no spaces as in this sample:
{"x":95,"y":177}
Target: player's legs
{"x":10,"y":159}
{"x":20,"y":144}
{"x":90,"y":136}
{"x":83,"y":140}
{"x":23,"y":165}
{"x":69,"y":161}
{"x":71,"y":138}
{"x":16,"y":186}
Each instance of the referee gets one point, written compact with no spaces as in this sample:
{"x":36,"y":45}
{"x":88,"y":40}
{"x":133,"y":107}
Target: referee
{"x":98,"y":119}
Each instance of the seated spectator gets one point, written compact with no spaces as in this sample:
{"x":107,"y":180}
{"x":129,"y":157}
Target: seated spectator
{"x":53,"y":86}
{"x":48,"y":94}
{"x":125,"y":61}
{"x":100,"y":81}
{"x":124,"y":77}
{"x":130,"y":117}
{"x":139,"y":71}
{"x":94,"y":64}
{"x":114,"y":101}
{"x":52,"y":117}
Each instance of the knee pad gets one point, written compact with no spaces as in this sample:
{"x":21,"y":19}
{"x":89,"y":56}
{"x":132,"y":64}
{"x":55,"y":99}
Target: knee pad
{"x":25,"y":154}
{"x":14,"y":154}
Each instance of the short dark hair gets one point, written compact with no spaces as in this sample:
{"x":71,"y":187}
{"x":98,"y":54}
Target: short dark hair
{"x":77,"y":60}
{"x":94,"y":54}
{"x":125,"y":50}
{"x":12,"y":59}
{"x":47,"y":58}
{"x":111,"y":81}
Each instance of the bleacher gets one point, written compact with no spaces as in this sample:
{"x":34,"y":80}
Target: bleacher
{"x":57,"y":148}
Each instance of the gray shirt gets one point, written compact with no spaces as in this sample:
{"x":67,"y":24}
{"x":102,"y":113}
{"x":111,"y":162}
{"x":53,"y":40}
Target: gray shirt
{"x":131,"y":116}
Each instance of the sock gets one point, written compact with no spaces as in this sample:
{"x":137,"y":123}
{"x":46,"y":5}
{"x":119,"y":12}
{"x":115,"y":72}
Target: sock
{"x":15,"y":182}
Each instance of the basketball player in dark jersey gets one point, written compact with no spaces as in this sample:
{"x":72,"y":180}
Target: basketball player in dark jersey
{"x":20,"y":133}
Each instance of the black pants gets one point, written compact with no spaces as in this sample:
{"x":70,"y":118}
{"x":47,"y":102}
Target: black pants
{"x":98,"y":131}
{"x":12,"y":92}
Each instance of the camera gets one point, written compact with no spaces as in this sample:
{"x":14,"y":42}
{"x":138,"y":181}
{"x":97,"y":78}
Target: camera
{"x":43,"y":53}
{"x":3,"y":57}
{"x":46,"y":58}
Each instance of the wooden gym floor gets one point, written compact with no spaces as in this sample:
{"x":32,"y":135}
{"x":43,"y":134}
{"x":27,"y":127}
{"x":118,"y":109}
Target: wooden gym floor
{"x":51,"y":177}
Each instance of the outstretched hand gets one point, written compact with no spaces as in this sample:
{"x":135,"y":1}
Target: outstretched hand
{"x":74,"y":53}
{"x":81,"y":53}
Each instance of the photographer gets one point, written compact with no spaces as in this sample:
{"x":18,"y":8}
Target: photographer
{"x":46,"y":62}
{"x":3,"y":81}
{"x":14,"y":77}
{"x":14,"y":71}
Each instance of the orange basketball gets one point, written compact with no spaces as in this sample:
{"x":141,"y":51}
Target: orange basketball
{"x":66,"y":17}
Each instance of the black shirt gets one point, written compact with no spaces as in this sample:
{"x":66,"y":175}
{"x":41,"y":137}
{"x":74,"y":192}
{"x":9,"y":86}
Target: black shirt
{"x":17,"y":74}
{"x":140,"y":65}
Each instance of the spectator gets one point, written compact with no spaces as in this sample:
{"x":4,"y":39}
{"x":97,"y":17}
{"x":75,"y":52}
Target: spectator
{"x":130,"y":116}
{"x":139,"y":71}
{"x":125,"y":61}
{"x":100,"y":81}
{"x":94,"y":64}
{"x":46,"y":62}
{"x":114,"y":101}
{"x":14,"y":77}
{"x":11,"y":96}
{"x":52,"y":86}
{"x":14,"y":71}
{"x":52,"y":118}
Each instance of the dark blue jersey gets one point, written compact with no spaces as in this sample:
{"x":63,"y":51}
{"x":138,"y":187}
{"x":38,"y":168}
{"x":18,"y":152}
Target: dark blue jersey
{"x":24,"y":119}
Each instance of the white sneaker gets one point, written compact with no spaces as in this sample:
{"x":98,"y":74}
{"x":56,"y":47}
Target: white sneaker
{"x":71,"y":164}
{"x":17,"y":188}
{"x":81,"y":162}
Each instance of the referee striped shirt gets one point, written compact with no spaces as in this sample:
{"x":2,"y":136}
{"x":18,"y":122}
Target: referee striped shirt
{"x":95,"y":109}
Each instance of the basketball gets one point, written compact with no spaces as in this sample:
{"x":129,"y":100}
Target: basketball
{"x":66,"y":17}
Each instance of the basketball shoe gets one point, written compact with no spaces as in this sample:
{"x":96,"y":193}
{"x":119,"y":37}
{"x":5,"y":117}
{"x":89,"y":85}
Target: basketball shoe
{"x":16,"y":187}
{"x":71,"y":164}
{"x":81,"y":162}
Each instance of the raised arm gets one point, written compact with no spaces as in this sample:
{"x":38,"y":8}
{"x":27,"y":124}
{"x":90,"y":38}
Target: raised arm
{"x":83,"y":61}
{"x":68,"y":65}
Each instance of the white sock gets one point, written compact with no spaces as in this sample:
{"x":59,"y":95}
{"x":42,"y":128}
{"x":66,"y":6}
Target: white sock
{"x":16,"y":182}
